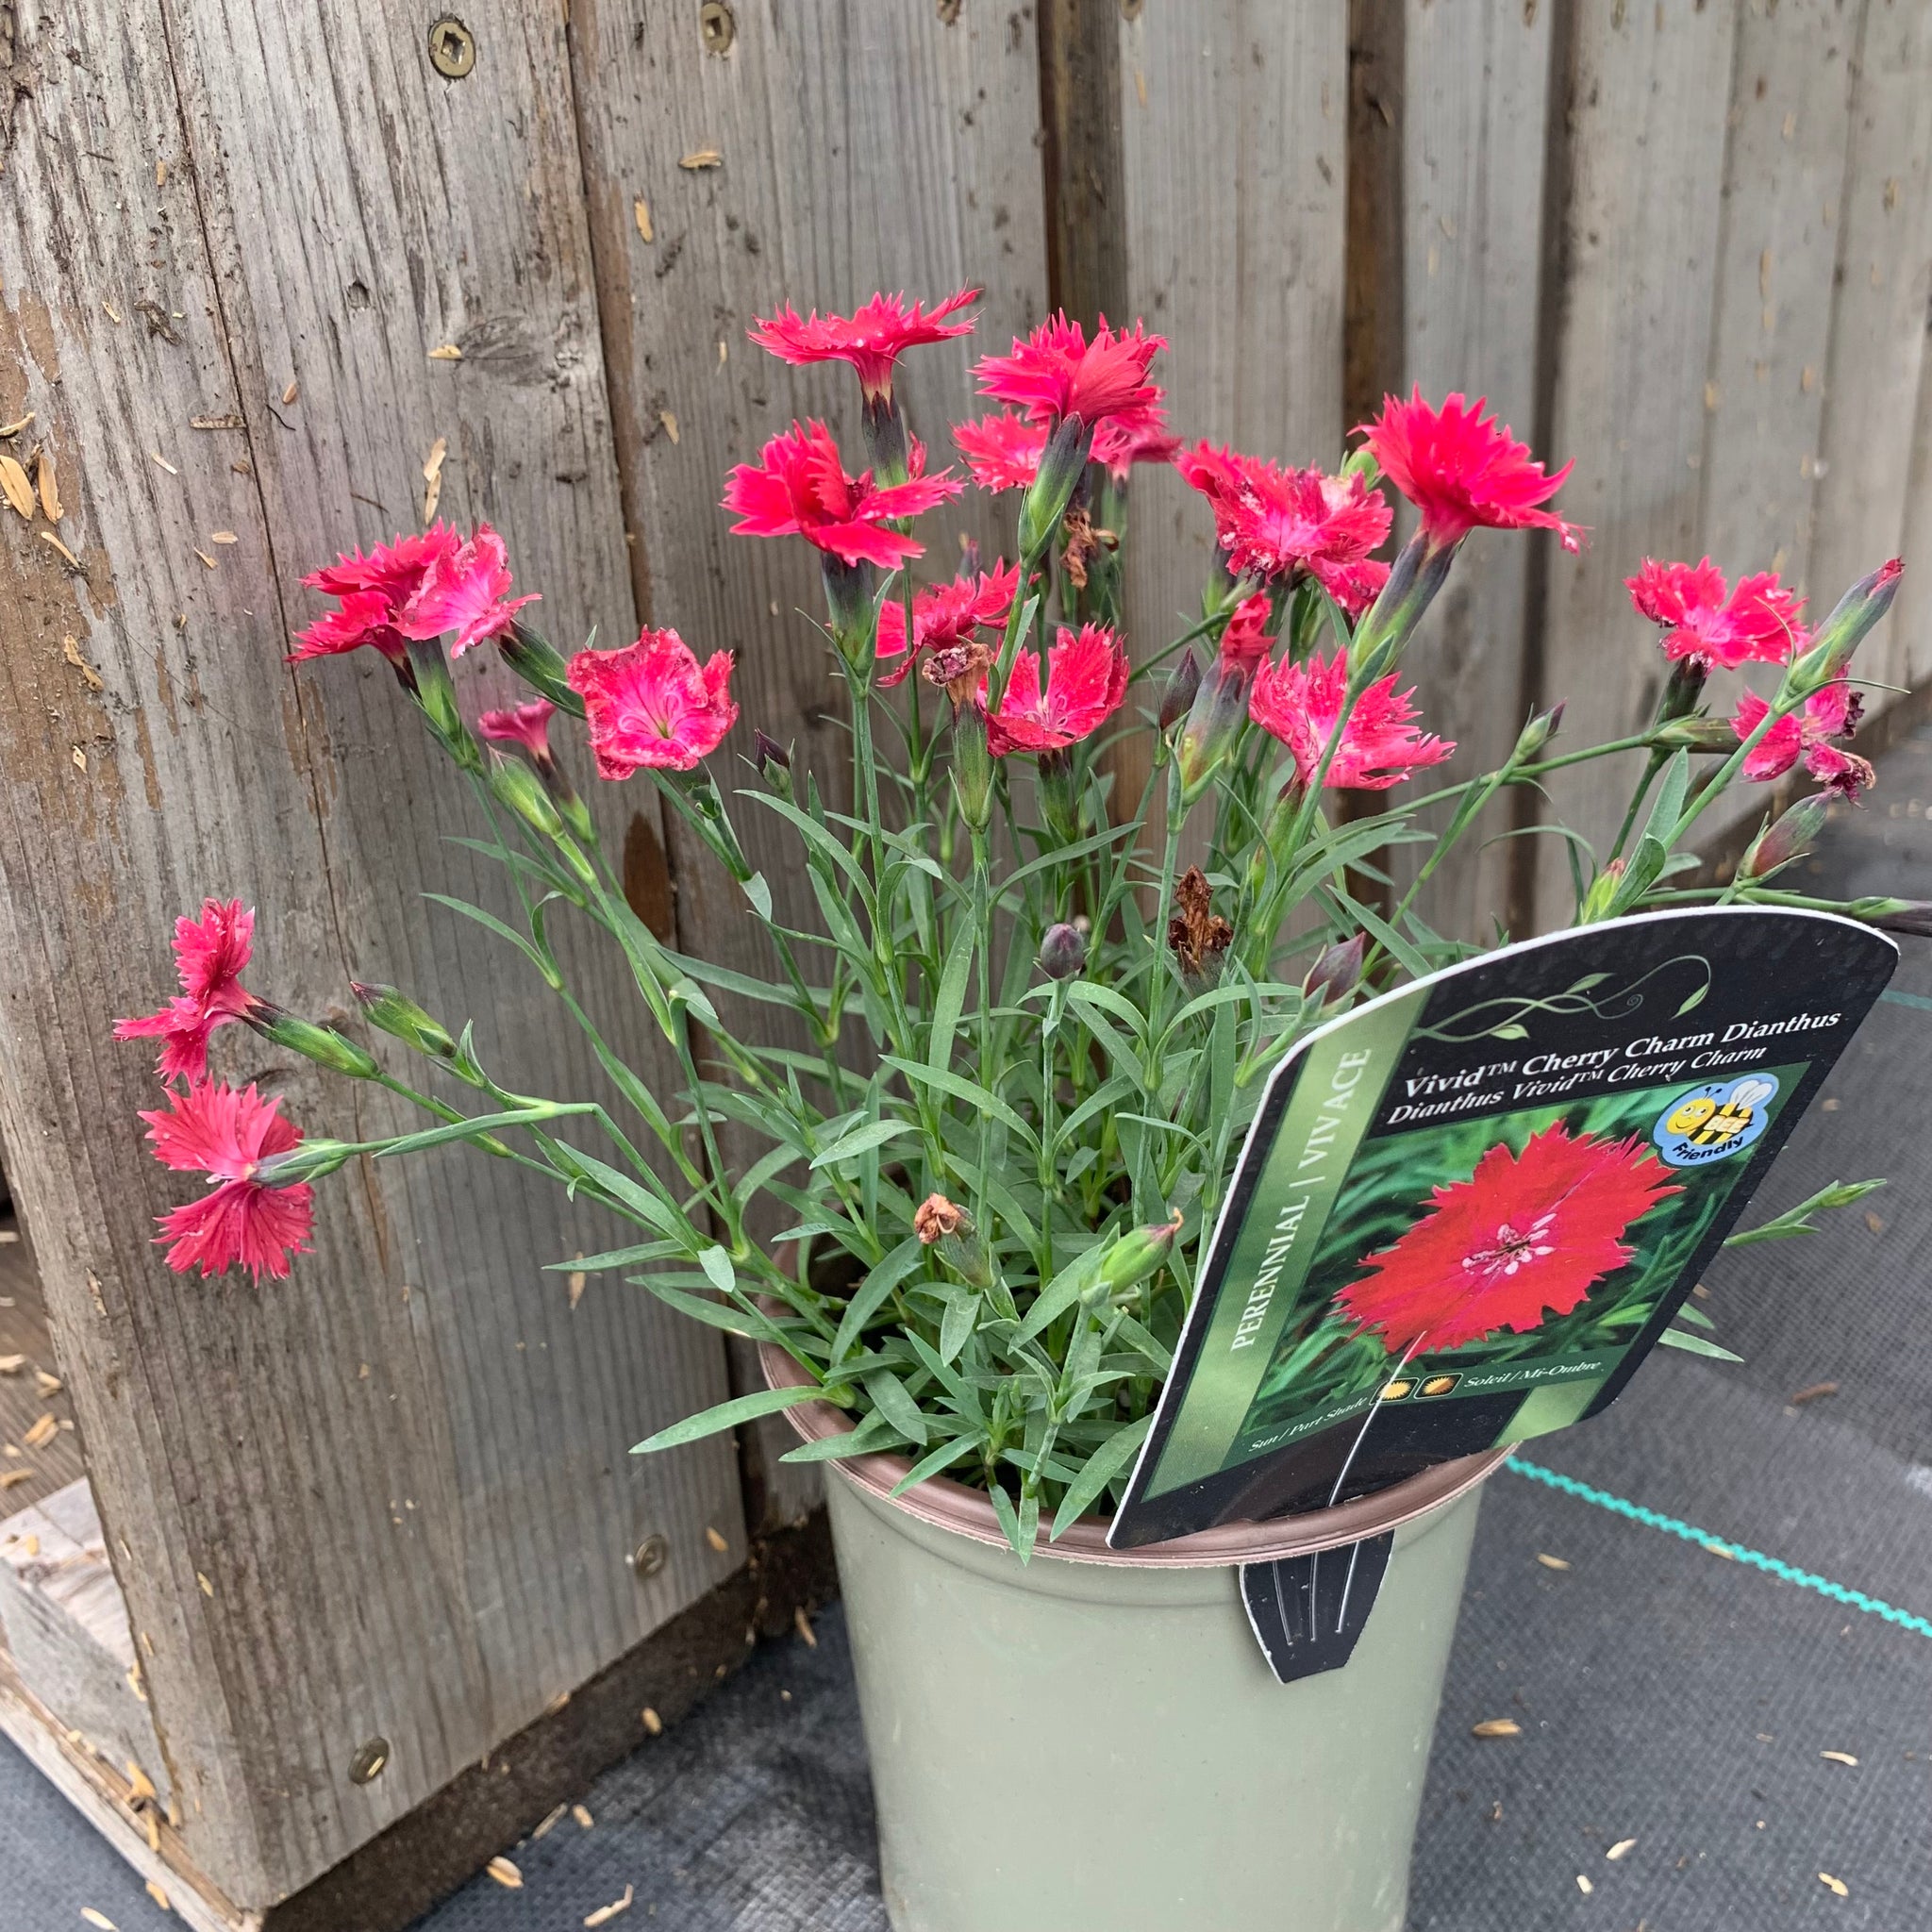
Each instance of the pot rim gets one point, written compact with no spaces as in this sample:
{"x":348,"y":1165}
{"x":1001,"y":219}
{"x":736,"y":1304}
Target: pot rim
{"x":944,"y":1504}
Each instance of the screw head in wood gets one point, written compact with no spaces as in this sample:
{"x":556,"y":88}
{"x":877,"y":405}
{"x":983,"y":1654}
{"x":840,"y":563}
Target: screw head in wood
{"x":717,"y":26}
{"x":367,"y":1764}
{"x":452,"y":47}
{"x":650,"y":1554}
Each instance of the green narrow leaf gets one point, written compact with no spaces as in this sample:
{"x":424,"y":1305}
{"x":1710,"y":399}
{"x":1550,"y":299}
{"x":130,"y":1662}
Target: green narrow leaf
{"x":726,"y":1415}
{"x":861,"y":1140}
{"x":1695,"y":1344}
{"x":951,"y":1000}
{"x":717,"y":1264}
{"x":894,"y":1401}
{"x":874,"y":1433}
{"x":1102,"y":1467}
{"x":872,"y":1294}
{"x":934,"y":1460}
{"x":962,"y":1312}
{"x":1063,"y":1291}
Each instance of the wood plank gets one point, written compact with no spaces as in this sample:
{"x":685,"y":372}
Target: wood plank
{"x":1473,"y":136}
{"x":1878,"y":321}
{"x":861,"y":148}
{"x":1234,"y":122}
{"x":1640,"y":233}
{"x":433,"y":1545}
{"x":28,"y":1475}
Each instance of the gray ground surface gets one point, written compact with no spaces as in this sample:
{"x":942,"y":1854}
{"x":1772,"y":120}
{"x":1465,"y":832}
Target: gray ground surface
{"x":1665,"y":1695}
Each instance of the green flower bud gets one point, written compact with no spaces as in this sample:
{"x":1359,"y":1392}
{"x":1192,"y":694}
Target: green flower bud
{"x":849,"y":599}
{"x":435,"y":697}
{"x":513,"y":784}
{"x":1138,"y":1254}
{"x":399,"y":1016}
{"x":1062,"y":951}
{"x":313,"y":1160}
{"x":1791,"y":838}
{"x":1535,"y":734}
{"x":1336,"y":973}
{"x":1054,"y":483}
{"x":322,"y":1044}
{"x":1177,"y":694}
{"x":1841,"y":634}
{"x":542,"y":666}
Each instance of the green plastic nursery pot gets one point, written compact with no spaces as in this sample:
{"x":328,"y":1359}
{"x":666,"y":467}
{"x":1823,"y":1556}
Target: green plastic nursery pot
{"x":1094,"y":1742}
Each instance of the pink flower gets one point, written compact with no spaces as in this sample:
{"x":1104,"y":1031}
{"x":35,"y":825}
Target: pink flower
{"x":209,"y":954}
{"x":467,"y":592}
{"x":799,"y":488}
{"x":1086,"y":684}
{"x":1285,"y":523}
{"x":1119,"y":446}
{"x":1245,"y":641}
{"x":1002,"y":451}
{"x":1380,"y":746}
{"x":650,"y":703}
{"x":871,"y":340}
{"x":372,"y":592}
{"x":1832,"y":712}
{"x":1056,"y":372}
{"x":1525,"y":1235}
{"x":227,"y":1135}
{"x":945,"y":614}
{"x":1356,"y":586}
{"x":525,"y":724}
{"x":1462,"y":469}
{"x":1759,"y":620}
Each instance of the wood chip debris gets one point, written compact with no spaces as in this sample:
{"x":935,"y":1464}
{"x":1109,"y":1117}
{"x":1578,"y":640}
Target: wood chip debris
{"x":141,"y":1787}
{"x":79,"y":758}
{"x":1584,"y":1886}
{"x":53,"y":542}
{"x":505,"y":1872}
{"x":11,"y":1365}
{"x":670,"y":423}
{"x":222,"y":537}
{"x":604,"y":1914}
{"x":207,"y":1588}
{"x":802,"y":1623}
{"x":701,"y":157}
{"x":642,"y":210}
{"x":578,"y":1279}
{"x":106,"y":1924}
{"x":1550,"y":1562}
{"x":156,"y":457}
{"x":432,"y":478}
{"x":108,"y":309}
{"x":1496,"y":1727}
{"x":50,"y":488}
{"x":715,"y":1539}
{"x":653,"y":1722}
{"x":1813,"y":1392}
{"x":227,"y":422}
{"x":1838,"y":1756}
{"x":19,"y":424}
{"x":154,"y":1886}
{"x":42,"y":1431}
{"x":1836,"y":1885}
{"x":9,"y":1478}
{"x":205,"y":559}
{"x":1621,"y":1849}
{"x":581,"y":1813}
{"x":13,"y":484}
{"x":30,"y":1544}
{"x":70,"y":649}
{"x":290,"y":393}
{"x":551,"y":1819}
{"x":445,"y":352}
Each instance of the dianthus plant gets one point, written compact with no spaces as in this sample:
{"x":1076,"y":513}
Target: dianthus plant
{"x":970,"y":1198}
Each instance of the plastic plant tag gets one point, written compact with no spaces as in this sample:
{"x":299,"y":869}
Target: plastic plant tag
{"x":1307,"y":1611}
{"x":1467,"y":1209}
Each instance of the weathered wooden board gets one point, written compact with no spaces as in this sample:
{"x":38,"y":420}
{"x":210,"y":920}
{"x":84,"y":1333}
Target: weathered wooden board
{"x":1233,"y":144}
{"x":26,"y":1360}
{"x":1879,"y":321}
{"x":821,"y":156}
{"x":1473,"y":135}
{"x":402,"y":1472}
{"x":1645,"y":155}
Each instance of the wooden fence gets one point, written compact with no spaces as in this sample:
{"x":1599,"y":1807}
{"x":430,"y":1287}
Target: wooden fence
{"x":259,"y":263}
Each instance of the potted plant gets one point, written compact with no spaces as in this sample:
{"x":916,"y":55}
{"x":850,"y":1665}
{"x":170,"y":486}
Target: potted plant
{"x":1027,"y":1039}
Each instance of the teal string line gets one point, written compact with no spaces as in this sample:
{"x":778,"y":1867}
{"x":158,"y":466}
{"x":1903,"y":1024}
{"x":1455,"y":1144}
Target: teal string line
{"x":1907,"y":999}
{"x":1653,"y":1519}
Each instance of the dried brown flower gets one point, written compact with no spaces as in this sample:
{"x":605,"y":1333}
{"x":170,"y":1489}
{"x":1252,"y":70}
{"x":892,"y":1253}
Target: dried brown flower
{"x":936,"y":1217}
{"x":1196,"y":932}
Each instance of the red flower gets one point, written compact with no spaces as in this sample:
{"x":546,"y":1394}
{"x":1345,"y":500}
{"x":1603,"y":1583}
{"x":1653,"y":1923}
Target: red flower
{"x":1245,"y":641}
{"x":1277,"y":523}
{"x":1462,"y":469}
{"x":525,"y":724}
{"x":1526,"y":1234}
{"x":227,"y":1135}
{"x":650,"y":703}
{"x":1356,"y":586}
{"x":1832,"y":712}
{"x":1759,"y":620}
{"x":1380,"y":746}
{"x":799,"y":488}
{"x":372,"y":592}
{"x":1120,"y":444}
{"x":209,"y":954}
{"x":466,"y":590}
{"x":1002,"y":451}
{"x":945,"y":614}
{"x":871,"y":339}
{"x":1086,"y":684}
{"x":1056,"y":372}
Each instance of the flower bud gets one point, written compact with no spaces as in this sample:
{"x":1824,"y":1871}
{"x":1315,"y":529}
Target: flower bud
{"x":884,"y":429}
{"x":1420,"y":570}
{"x":972,"y":771}
{"x":1791,"y":838}
{"x":943,"y":1224}
{"x":774,"y":762}
{"x":1052,"y":489}
{"x":1682,"y":690}
{"x":435,"y":696}
{"x":322,"y":1044}
{"x":513,"y":784}
{"x":313,"y":1161}
{"x":1912,"y":916}
{"x":1138,"y":1254}
{"x":1177,"y":695}
{"x":1603,"y":893}
{"x":399,"y":1016}
{"x":541,"y":665}
{"x":1059,"y":803}
{"x":1214,"y":724}
{"x":1695,"y":734}
{"x":1535,"y":734}
{"x":848,"y":598}
{"x":1839,"y":635}
{"x":1062,"y":951}
{"x":1336,"y":973}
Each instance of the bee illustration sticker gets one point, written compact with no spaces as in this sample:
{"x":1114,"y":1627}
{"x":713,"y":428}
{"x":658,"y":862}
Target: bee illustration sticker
{"x":1714,"y":1122}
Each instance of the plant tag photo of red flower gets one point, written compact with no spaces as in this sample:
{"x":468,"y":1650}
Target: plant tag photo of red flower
{"x":1466,"y":1210}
